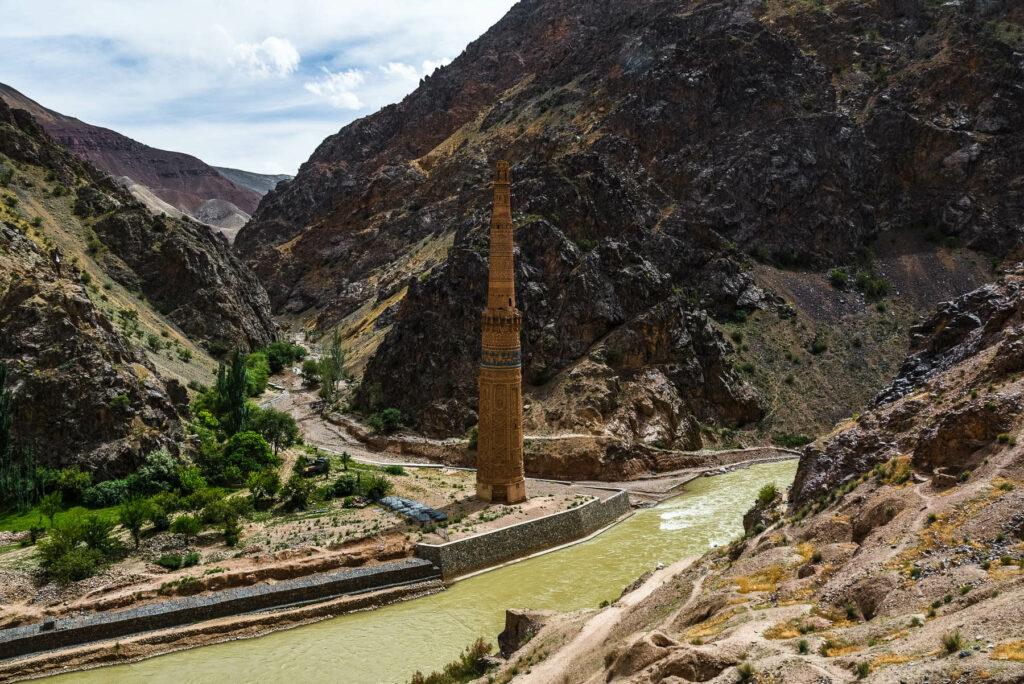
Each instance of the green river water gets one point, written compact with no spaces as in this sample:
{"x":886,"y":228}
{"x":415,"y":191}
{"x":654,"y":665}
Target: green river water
{"x":389,"y":644}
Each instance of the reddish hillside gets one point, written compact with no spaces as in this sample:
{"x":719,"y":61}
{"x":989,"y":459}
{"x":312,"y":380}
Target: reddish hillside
{"x":179,"y":179}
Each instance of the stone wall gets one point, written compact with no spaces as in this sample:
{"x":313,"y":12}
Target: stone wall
{"x":508,"y":543}
{"x":67,"y":632}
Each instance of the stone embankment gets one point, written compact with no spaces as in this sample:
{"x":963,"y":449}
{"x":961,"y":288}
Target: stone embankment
{"x":69,"y":632}
{"x":492,"y":548}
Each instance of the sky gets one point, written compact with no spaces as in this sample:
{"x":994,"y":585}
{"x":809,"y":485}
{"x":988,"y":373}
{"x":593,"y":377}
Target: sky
{"x":253,"y":85}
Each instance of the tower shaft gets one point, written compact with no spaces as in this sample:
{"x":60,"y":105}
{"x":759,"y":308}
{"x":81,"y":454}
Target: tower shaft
{"x":499,"y":475}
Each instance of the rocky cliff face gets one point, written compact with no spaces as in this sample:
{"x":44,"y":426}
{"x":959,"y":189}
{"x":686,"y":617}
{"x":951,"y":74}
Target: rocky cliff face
{"x":901,"y":558}
{"x":102,"y":304}
{"x":954,"y":399}
{"x":659,"y":149}
{"x":181,"y":180}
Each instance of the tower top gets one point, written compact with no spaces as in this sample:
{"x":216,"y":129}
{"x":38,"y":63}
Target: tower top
{"x":501,"y":174}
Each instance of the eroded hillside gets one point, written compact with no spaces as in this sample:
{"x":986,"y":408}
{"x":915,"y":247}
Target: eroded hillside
{"x":107,"y":311}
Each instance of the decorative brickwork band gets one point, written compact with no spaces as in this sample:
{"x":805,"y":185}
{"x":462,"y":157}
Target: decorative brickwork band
{"x":499,"y":474}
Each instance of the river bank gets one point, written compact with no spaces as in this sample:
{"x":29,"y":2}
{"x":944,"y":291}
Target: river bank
{"x":430,"y":631}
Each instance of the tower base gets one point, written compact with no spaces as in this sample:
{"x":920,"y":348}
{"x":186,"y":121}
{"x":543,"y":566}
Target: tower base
{"x":507,"y":493}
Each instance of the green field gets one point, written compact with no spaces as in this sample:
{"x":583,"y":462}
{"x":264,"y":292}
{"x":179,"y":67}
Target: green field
{"x":12,"y":521}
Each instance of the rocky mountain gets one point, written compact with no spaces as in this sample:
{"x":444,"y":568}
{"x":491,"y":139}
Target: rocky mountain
{"x":186,"y":183}
{"x":686,"y":174}
{"x":257,"y":182}
{"x":899,"y":557}
{"x":107,"y":310}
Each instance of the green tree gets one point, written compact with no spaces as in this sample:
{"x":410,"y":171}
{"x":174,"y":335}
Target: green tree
{"x":133,"y":515}
{"x":277,"y":427}
{"x":332,"y":370}
{"x":96,"y":533}
{"x":248,"y":451}
{"x":235,"y":384}
{"x":311,"y":373}
{"x":280,"y":354}
{"x":263,"y":485}
{"x":346,"y":458}
{"x":257,"y":373}
{"x":232,"y":530}
{"x":297,"y":492}
{"x":50,"y":505}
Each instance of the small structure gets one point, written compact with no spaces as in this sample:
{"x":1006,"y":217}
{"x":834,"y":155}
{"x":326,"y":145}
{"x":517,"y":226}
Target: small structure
{"x":413,"y":510}
{"x":321,"y":466}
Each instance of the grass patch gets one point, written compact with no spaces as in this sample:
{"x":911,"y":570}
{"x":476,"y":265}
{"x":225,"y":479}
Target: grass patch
{"x":13,"y":521}
{"x":766,"y":580}
{"x":1011,"y":650}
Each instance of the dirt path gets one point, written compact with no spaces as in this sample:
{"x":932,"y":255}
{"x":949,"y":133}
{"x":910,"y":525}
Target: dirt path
{"x":597,"y":629}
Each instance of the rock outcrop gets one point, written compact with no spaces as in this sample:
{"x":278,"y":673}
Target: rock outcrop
{"x":660,"y":149}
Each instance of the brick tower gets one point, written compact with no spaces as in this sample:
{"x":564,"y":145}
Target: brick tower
{"x":499,"y":464}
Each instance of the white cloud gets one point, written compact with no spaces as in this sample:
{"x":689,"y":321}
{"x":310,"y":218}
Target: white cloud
{"x":272,"y":57}
{"x":430,"y":66}
{"x":339,"y":87}
{"x":227,"y":80}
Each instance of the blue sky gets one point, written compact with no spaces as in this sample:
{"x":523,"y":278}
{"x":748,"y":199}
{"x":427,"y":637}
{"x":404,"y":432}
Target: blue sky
{"x":255,"y":85}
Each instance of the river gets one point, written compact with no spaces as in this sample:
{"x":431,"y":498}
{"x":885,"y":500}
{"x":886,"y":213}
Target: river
{"x":389,"y":644}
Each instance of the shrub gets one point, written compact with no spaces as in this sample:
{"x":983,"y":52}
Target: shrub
{"x":232,"y":531}
{"x":872,"y":285}
{"x":176,"y":561}
{"x":375,"y":487}
{"x":802,"y":647}
{"x":77,"y":549}
{"x":952,"y":641}
{"x":474,"y":437}
{"x":745,"y":671}
{"x":257,"y":373}
{"x":159,"y":473}
{"x":133,"y":515}
{"x":767,"y":494}
{"x":311,"y":373}
{"x":863,"y":669}
{"x":344,"y":486}
{"x":248,"y":452}
{"x":186,"y":525}
{"x":297,"y":492}
{"x":790,"y":440}
{"x":386,"y":421}
{"x":838,"y":278}
{"x":108,"y":493}
{"x":394,"y":470}
{"x":281,"y":354}
{"x":263,"y":486}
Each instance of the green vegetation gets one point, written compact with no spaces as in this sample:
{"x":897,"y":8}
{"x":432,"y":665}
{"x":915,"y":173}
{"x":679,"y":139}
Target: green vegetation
{"x":280,"y":355}
{"x":177,"y":561}
{"x":790,"y":440}
{"x":78,"y":548}
{"x":839,"y":278}
{"x":386,"y":420}
{"x":311,"y":373}
{"x":745,"y":671}
{"x":133,"y":514}
{"x":952,"y":641}
{"x":767,"y":494}
{"x":332,"y":370}
{"x":471,"y":664}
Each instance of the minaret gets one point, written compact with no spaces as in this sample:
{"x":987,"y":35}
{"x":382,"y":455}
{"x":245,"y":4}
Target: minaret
{"x":499,"y":463}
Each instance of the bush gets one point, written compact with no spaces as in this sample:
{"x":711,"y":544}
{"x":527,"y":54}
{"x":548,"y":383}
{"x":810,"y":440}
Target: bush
{"x":232,"y":531}
{"x":745,"y":671}
{"x":872,"y":285}
{"x":108,"y":493}
{"x":77,"y":549}
{"x":386,"y":421}
{"x":344,"y":486}
{"x":159,"y":473}
{"x":952,"y":641}
{"x":790,"y":440}
{"x":802,"y":647}
{"x":186,"y":525}
{"x":311,"y":373}
{"x":133,"y":515}
{"x":470,"y":664}
{"x":263,"y":485}
{"x":767,"y":494}
{"x":177,"y":561}
{"x":375,"y":487}
{"x":248,"y":452}
{"x":257,"y":373}
{"x":281,"y":354}
{"x":838,"y":278}
{"x":296,"y":493}
{"x":394,"y":470}
{"x":77,"y":564}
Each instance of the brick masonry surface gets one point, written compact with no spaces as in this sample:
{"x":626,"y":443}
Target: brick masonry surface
{"x":67,"y":632}
{"x":508,"y":543}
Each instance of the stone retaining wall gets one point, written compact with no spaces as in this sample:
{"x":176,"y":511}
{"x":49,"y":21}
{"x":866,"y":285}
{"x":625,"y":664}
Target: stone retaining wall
{"x":508,"y":543}
{"x":67,"y":632}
